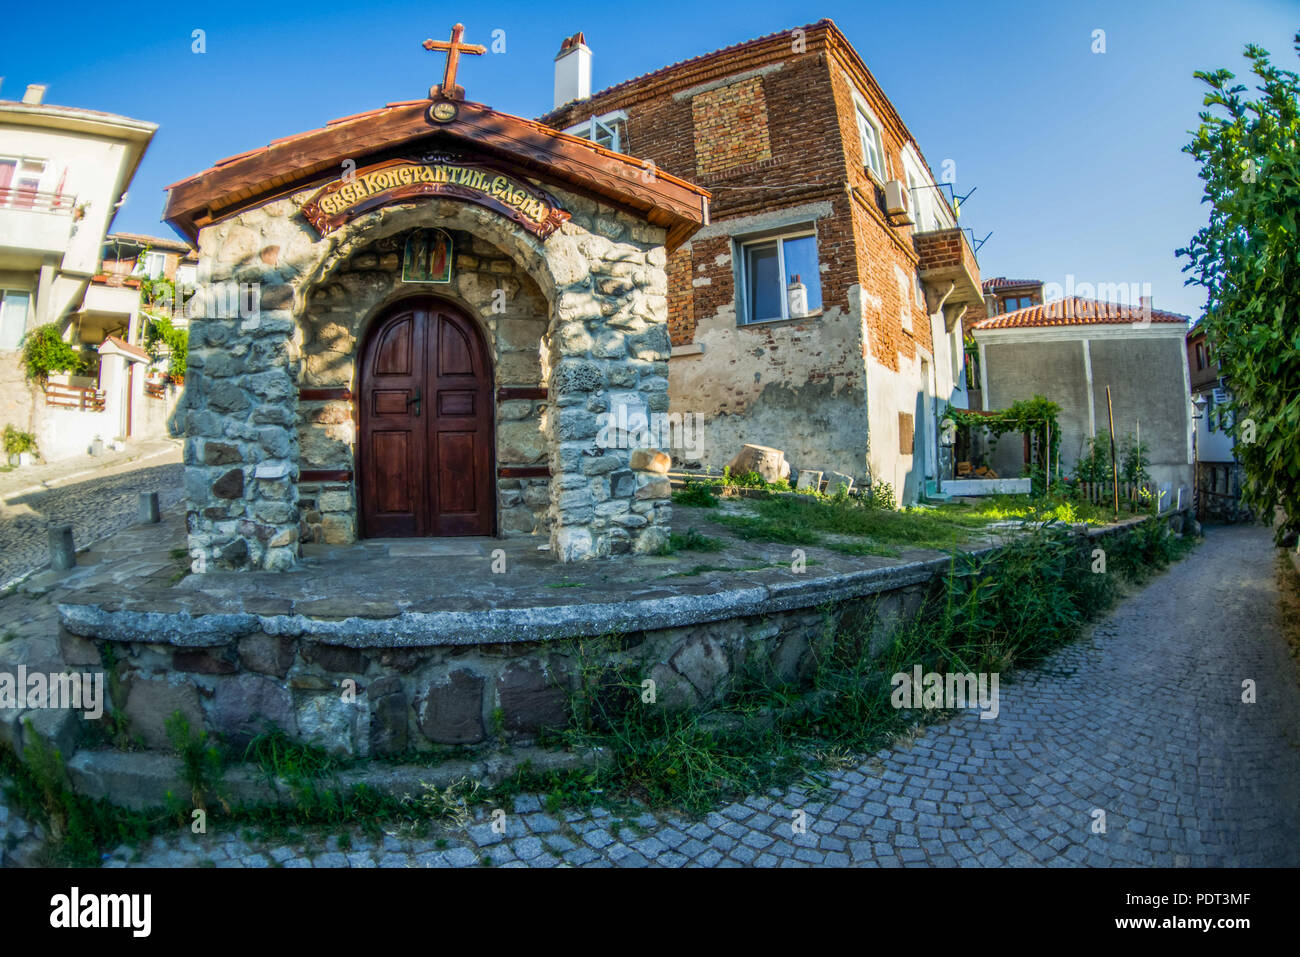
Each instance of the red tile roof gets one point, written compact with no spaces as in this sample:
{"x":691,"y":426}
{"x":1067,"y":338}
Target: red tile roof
{"x":158,"y":242}
{"x":114,"y":279}
{"x":1075,"y":311}
{"x":126,"y":347}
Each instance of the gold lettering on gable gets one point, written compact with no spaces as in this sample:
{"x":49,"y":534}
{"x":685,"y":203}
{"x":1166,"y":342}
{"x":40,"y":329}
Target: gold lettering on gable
{"x":398,"y":180}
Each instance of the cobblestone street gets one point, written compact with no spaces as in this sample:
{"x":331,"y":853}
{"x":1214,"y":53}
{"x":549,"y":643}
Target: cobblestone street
{"x":1142,"y":719}
{"x":94,"y":505}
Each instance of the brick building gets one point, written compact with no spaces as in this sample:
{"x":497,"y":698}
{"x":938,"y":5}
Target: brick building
{"x":820,"y":311}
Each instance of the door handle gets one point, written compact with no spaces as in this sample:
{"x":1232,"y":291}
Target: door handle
{"x":416,"y":402}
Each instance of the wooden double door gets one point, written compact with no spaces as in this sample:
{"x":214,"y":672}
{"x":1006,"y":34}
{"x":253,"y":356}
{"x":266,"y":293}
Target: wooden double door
{"x":425,"y":446}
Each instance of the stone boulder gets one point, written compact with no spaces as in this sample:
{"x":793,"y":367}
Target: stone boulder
{"x":768,"y":462}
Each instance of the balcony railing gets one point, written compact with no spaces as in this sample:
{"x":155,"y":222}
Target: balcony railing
{"x":74,"y":397}
{"x":11,"y":198}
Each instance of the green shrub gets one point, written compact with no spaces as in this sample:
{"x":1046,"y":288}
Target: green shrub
{"x":202,"y":763}
{"x":160,"y":332}
{"x":45,"y":352}
{"x":696,"y":495}
{"x":881,"y":495}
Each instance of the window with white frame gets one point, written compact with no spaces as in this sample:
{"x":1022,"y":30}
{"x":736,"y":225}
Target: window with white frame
{"x":20,"y":180}
{"x":780,"y":277}
{"x":608,"y":130}
{"x":150,"y":264}
{"x":873,"y":145}
{"x":14,"y":304}
{"x":916,"y":187}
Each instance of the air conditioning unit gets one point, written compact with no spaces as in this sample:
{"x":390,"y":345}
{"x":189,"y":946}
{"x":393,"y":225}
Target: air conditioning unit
{"x":898,"y":202}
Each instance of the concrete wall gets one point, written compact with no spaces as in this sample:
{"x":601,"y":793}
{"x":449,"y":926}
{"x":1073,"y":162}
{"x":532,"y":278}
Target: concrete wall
{"x":1213,"y":446}
{"x":1145,"y":369}
{"x":16,"y":402}
{"x":1054,"y":369}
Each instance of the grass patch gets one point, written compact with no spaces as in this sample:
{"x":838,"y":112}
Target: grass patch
{"x":691,"y":541}
{"x":807,"y":521}
{"x":279,"y":757}
{"x":696,"y":495}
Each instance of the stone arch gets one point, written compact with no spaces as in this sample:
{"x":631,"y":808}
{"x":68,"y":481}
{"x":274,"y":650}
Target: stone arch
{"x":548,"y":265}
{"x":360,"y":281}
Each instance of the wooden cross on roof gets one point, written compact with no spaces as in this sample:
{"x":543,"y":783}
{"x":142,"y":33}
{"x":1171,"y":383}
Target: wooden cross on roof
{"x":449,"y":90}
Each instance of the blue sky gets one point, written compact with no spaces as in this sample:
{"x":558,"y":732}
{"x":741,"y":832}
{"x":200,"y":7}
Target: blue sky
{"x":1076,"y":155}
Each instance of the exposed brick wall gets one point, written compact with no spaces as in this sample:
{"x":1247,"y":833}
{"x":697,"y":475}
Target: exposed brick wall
{"x":730,"y":127}
{"x":941,"y":249}
{"x":880,"y":246}
{"x":681,"y":305}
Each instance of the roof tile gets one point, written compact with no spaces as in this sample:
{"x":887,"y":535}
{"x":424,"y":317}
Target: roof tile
{"x":1075,"y":311}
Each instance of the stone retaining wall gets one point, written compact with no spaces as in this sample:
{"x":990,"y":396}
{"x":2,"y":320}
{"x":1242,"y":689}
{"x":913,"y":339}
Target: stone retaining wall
{"x":389,"y":700}
{"x":387,"y":692}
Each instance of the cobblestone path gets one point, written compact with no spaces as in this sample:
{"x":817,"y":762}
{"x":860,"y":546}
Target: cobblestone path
{"x":1142,"y":720}
{"x":95,"y":506}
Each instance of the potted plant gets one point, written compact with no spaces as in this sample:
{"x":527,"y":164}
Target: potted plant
{"x":19,"y":446}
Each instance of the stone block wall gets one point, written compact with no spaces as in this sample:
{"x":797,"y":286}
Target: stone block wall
{"x":16,"y":393}
{"x":610,"y":341}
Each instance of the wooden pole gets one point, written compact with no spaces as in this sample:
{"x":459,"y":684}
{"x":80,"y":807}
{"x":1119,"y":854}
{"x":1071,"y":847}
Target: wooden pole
{"x":1114,"y":465}
{"x":1047,"y":456}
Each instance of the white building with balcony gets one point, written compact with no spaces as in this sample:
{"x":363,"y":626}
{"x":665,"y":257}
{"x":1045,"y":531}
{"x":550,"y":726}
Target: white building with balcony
{"x":64,"y":172}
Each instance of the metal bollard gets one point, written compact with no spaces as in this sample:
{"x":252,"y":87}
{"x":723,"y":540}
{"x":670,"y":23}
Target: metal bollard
{"x":148,"y":511}
{"x":62,"y":553}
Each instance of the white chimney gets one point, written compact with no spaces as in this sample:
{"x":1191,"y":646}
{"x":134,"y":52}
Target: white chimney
{"x":572,"y":71}
{"x":35,"y":93}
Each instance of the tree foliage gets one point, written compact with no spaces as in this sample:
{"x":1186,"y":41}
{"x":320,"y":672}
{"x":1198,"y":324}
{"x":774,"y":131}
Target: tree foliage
{"x":1248,"y":259}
